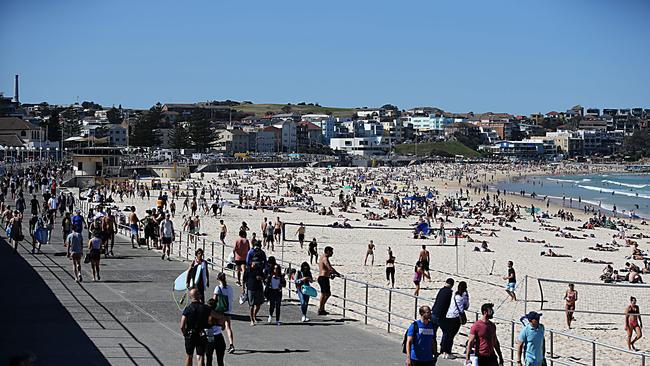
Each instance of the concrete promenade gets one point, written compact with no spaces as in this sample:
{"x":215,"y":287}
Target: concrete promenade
{"x":130,"y":317}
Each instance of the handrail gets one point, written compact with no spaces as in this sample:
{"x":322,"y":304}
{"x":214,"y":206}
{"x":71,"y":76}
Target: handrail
{"x":417,"y":299}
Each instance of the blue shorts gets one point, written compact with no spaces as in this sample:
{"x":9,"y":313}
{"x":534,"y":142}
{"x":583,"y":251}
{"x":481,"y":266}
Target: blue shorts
{"x":511,"y":286}
{"x":134,"y":229}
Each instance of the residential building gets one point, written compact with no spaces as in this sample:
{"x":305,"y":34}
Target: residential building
{"x":366,"y":146}
{"x":325,"y":122}
{"x":519,"y":150}
{"x":568,"y":143}
{"x":289,"y":137}
{"x":236,"y":141}
{"x":268,"y":139}
{"x":308,"y":135}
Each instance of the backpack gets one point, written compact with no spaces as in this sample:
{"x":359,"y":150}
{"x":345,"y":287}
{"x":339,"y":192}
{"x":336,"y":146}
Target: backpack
{"x":415,"y":331}
{"x":258,"y":257}
{"x":221,"y":303}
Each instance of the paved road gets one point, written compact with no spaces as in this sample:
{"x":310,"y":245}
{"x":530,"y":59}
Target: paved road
{"x":130,"y":317}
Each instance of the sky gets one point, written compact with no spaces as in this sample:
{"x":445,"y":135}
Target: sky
{"x":517,"y":56}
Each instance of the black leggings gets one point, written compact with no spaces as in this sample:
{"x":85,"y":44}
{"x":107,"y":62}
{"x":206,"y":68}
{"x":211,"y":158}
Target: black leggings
{"x":390,"y":274}
{"x":275,"y":302}
{"x":450,"y":327}
{"x":219,"y":345}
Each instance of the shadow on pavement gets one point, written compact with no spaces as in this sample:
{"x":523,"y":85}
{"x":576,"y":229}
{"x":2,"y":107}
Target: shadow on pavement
{"x":34,"y":320}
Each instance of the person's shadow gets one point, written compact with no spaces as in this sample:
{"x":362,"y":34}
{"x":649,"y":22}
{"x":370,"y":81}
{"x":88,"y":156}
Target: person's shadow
{"x":273,"y":351}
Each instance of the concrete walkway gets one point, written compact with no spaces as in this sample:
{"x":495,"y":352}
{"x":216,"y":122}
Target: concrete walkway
{"x":130,"y":317}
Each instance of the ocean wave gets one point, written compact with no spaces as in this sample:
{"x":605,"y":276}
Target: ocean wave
{"x":563,"y":180}
{"x":622,"y":193}
{"x":625,"y":184}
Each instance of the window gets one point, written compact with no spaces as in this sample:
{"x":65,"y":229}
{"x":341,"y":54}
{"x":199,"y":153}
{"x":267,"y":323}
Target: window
{"x":80,"y":165}
{"x":23,"y":133}
{"x":348,"y":143}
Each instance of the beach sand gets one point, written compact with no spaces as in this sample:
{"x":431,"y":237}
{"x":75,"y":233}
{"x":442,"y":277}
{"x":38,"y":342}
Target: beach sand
{"x":482,"y":271}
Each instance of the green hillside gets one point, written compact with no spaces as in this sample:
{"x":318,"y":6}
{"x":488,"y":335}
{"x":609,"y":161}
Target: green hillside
{"x":441,"y":148}
{"x":261,"y":109}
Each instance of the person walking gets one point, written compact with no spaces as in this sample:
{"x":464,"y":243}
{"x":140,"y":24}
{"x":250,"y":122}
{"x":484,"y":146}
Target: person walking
{"x":390,"y":269}
{"x":95,"y":247}
{"x":303,"y":278}
{"x":511,"y":277}
{"x":223,"y":289}
{"x":531,"y":338}
{"x":16,"y":231}
{"x":483,"y":339}
{"x":421,"y":340}
{"x":194,"y":321}
{"x":197,"y":275}
{"x":274,"y":285}
{"x":633,"y":323}
{"x":418,"y":276}
{"x":74,"y":243}
{"x":313,"y":251}
{"x":254,"y":278}
{"x":441,"y":306}
{"x":214,"y":339}
{"x":570,"y":296}
{"x":168,"y":235}
{"x":454,"y":318}
{"x":242,"y":246}
{"x":370,"y":252}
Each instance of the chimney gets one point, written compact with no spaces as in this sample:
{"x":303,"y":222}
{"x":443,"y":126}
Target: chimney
{"x":16,"y":91}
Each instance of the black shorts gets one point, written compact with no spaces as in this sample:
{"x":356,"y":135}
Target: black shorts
{"x":423,"y":363}
{"x":240,"y":263}
{"x":488,"y":360}
{"x":425,"y":265}
{"x":222,"y":236}
{"x":195,"y":342}
{"x":324,"y":283}
{"x":166,"y":240}
{"x":148,"y":234}
{"x":301,"y":237}
{"x":95,"y":254}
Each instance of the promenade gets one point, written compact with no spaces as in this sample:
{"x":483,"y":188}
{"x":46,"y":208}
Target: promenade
{"x":130,"y":317}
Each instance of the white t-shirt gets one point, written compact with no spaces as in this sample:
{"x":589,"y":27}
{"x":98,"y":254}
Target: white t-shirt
{"x":52,"y":203}
{"x":225,"y":291}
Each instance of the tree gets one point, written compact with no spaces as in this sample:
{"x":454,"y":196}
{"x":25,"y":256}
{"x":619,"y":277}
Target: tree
{"x":145,"y":130}
{"x":389,"y":106}
{"x":71,"y":125}
{"x":638,"y":145}
{"x":91,"y":105}
{"x":180,"y":137}
{"x":286,"y":109}
{"x":53,"y":126}
{"x":200,"y":130}
{"x":114,"y":116}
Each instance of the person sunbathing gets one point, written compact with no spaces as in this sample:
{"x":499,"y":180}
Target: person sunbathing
{"x":531,"y":240}
{"x":551,"y":253}
{"x":593,"y":261}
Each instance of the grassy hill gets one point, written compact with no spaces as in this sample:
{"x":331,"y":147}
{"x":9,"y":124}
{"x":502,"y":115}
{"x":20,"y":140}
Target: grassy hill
{"x":442,"y":148}
{"x":260,"y":109}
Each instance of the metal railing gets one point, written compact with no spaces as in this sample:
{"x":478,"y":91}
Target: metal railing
{"x":358,"y":303}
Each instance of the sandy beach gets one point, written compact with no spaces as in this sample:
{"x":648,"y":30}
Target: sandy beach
{"x":377,"y":188}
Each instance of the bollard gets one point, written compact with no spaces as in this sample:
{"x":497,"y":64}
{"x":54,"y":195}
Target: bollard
{"x":415,"y":310}
{"x":551,"y":357}
{"x":512,"y":342}
{"x":593,"y":353}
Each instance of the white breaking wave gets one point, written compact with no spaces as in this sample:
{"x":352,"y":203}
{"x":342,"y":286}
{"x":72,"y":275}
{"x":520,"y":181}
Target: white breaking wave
{"x":625,"y":184}
{"x":622,"y":193}
{"x":563,"y":180}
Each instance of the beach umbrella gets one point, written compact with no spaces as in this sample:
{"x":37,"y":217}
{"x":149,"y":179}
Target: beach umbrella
{"x":430,"y":195}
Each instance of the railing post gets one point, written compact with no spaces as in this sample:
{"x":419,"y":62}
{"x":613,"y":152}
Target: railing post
{"x":223,"y":257}
{"x":526,"y":294}
{"x":203,"y":247}
{"x":512,"y":342}
{"x":551,"y":349}
{"x":415,"y":309}
{"x":390,"y":308}
{"x":289,"y":282}
{"x":212,"y":253}
{"x":366,"y":306}
{"x":593,"y":353}
{"x":642,"y":360}
{"x":345,"y":293}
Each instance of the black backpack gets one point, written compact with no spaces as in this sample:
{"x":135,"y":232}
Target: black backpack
{"x":415,"y":331}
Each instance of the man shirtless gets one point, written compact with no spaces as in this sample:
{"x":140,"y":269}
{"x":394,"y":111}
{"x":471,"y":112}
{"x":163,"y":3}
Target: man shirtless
{"x":263,"y":226}
{"x":109,"y":227}
{"x":277,"y":231}
{"x":325,"y":272}
{"x":223,"y":230}
{"x":370,"y":252}
{"x":133,"y":225}
{"x":424,"y":259}
{"x":301,"y":234}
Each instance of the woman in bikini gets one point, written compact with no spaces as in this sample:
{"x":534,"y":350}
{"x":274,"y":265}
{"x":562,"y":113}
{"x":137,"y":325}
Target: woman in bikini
{"x":633,"y":323}
{"x":417,"y":277}
{"x":571,"y":296}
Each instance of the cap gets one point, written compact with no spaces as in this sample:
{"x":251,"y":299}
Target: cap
{"x":533,"y":315}
{"x":450,"y":281}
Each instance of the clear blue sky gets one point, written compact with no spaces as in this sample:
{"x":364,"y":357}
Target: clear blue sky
{"x":514,"y":56}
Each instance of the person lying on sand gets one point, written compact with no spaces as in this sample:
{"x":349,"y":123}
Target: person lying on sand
{"x":602,"y":248}
{"x":531,"y":240}
{"x":484,"y":248}
{"x":593,"y":261}
{"x":551,"y":253}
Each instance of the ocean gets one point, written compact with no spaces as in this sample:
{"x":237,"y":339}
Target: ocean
{"x":627,"y":193}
